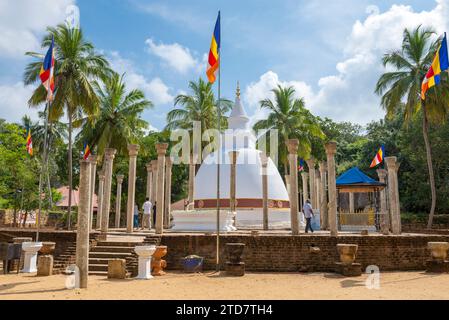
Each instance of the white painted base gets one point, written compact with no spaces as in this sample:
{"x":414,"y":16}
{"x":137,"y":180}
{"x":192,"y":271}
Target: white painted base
{"x":144,"y":267}
{"x":30,"y":262}
{"x":202,"y":221}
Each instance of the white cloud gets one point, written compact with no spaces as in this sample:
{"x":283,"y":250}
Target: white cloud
{"x":349,"y":95}
{"x":174,"y":55}
{"x":14,"y":102}
{"x":155,"y":89}
{"x":23,"y":22}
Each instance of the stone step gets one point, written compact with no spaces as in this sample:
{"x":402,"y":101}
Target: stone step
{"x":103,"y":261}
{"x":111,"y":255}
{"x":112,"y":249}
{"x":105,"y":273}
{"x":118,"y":244}
{"x":98,"y":267}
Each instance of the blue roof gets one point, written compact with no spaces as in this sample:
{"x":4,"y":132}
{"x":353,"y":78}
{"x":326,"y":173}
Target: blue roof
{"x":356,"y":176}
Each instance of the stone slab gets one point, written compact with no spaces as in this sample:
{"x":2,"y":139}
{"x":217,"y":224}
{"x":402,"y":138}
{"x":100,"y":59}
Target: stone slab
{"x":351,"y":270}
{"x":45,"y":266}
{"x":117,"y":269}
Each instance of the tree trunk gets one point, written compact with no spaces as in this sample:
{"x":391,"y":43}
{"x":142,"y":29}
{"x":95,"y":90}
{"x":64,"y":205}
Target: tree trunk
{"x":25,"y":217}
{"x":425,"y":128}
{"x":14,"y":219}
{"x":69,"y":209}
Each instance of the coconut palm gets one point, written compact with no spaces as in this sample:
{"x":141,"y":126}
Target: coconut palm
{"x":118,"y":122}
{"x":200,"y":106}
{"x":77,"y":66}
{"x":292,"y":120}
{"x":403,"y":84}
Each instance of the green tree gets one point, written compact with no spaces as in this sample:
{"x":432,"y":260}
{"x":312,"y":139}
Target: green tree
{"x":410,"y":65}
{"x":200,"y":106}
{"x":292,"y":120}
{"x":77,"y":66}
{"x":118,"y":121}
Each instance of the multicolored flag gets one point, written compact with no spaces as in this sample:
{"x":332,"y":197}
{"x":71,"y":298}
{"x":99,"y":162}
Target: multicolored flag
{"x":214,"y":53}
{"x":86,"y":151}
{"x":439,"y":64}
{"x":29,"y":142}
{"x":301,"y":165}
{"x":379,"y":158}
{"x":47,"y":71}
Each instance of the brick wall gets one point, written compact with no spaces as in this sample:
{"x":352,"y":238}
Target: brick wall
{"x":292,"y":254}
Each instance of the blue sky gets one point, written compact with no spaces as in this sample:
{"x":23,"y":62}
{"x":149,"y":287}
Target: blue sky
{"x":329,"y":51}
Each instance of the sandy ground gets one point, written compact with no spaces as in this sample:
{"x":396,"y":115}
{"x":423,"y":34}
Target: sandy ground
{"x":400,"y":285}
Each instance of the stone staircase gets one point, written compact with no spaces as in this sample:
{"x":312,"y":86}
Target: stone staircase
{"x":65,"y":259}
{"x":100,"y":254}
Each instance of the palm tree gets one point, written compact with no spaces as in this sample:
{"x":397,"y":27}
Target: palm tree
{"x":410,"y":65}
{"x":292,"y":120}
{"x":201,"y":106}
{"x":118,"y":122}
{"x":77,"y":65}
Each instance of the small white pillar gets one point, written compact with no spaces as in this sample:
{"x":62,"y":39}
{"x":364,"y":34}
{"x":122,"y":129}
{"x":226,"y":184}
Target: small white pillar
{"x":145,"y":254}
{"x":31,"y":249}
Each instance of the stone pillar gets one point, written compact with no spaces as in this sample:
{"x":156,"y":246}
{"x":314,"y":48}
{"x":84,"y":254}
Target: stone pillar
{"x":351,"y":202}
{"x":168,"y":175}
{"x":93,"y":173}
{"x":305,"y":186}
{"x":385,"y":220}
{"x":161,"y":150}
{"x":331,"y":150}
{"x":233,"y":155}
{"x":287,"y":183}
{"x":133,"y":150}
{"x":118,"y":200}
{"x":82,"y":236}
{"x":101,"y":178}
{"x":264,"y":162}
{"x":393,"y":194}
{"x":293,"y":145}
{"x":323,"y":197}
{"x":317,"y":188}
{"x":154,"y":186}
{"x":149,"y":180}
{"x":311,"y":165}
{"x":109,"y":161}
{"x":191,"y":184}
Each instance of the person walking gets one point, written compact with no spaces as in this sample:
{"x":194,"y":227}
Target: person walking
{"x":308,"y":214}
{"x":147,"y":208}
{"x":136,"y":217}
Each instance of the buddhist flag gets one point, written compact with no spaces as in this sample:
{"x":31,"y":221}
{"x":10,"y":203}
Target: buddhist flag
{"x":439,"y":64}
{"x":379,"y":158}
{"x":86,"y":151}
{"x":47,"y":71}
{"x":214,"y":53}
{"x":301,"y":165}
{"x":29,"y":142}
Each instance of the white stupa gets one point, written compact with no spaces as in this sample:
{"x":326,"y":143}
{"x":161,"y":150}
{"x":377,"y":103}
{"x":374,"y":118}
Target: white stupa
{"x":248,"y":178}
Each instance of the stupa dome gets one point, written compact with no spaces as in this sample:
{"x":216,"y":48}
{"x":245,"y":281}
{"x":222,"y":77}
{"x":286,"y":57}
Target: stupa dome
{"x":248,"y":177}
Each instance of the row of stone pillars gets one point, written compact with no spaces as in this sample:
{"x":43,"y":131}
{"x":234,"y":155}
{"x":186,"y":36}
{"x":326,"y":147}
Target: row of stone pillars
{"x":158,"y":189}
{"x":326,"y":200}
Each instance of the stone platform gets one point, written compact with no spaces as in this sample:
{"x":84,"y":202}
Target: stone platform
{"x":272,"y":251}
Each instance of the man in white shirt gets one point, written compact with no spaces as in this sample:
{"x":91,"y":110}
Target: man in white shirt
{"x":147,"y":206}
{"x":308,"y":214}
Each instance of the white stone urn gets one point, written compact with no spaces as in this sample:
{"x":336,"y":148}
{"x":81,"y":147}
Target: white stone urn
{"x":145,"y":254}
{"x":347,"y":253}
{"x":438,"y":250}
{"x":30,"y":249}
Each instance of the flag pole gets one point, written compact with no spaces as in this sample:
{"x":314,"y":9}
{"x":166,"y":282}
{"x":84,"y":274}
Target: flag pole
{"x":43,"y":169}
{"x":219,"y":152}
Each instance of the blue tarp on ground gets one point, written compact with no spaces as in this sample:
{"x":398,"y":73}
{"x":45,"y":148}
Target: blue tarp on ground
{"x":355,"y":176}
